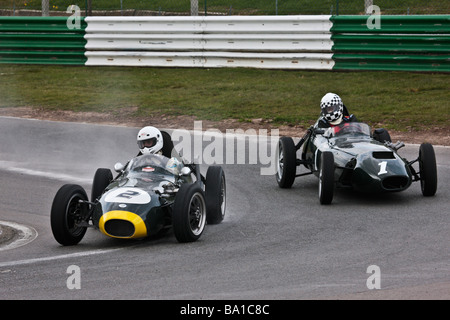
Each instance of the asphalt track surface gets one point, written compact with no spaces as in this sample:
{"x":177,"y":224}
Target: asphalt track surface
{"x":273,"y":244}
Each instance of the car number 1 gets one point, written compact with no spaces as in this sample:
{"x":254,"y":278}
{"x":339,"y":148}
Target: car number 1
{"x":383,"y":166}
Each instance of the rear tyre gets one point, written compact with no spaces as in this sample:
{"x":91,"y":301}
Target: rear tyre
{"x":67,"y":212}
{"x":326,"y":178}
{"x":189,"y":213}
{"x":102,"y":179}
{"x":215,"y":195}
{"x":286,"y":159}
{"x":428,"y":170}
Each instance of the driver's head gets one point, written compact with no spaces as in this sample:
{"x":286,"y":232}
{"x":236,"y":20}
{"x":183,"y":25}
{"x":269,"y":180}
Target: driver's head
{"x":332,"y":108}
{"x":149,"y":140}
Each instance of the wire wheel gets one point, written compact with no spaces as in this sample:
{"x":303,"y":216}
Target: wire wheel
{"x":189,"y":213}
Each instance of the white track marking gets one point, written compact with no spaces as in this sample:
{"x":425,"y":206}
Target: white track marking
{"x":19,"y":168}
{"x":64,"y":256}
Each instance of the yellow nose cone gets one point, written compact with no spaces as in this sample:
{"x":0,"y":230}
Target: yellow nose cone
{"x":122,"y":224}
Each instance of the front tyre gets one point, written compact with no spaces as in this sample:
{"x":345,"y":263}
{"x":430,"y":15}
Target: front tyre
{"x":215,"y":195}
{"x":189,"y":213}
{"x":286,"y":162}
{"x":326,"y":178}
{"x":428,"y":170}
{"x":67,"y":213}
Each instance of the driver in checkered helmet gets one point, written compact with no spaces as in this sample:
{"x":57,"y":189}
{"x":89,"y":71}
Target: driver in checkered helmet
{"x":333,"y":111}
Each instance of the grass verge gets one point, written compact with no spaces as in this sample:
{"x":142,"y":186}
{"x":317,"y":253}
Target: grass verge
{"x":401,"y":101}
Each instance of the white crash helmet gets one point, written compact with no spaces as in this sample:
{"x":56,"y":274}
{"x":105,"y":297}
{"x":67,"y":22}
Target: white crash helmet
{"x":149,"y":140}
{"x":332,"y":108}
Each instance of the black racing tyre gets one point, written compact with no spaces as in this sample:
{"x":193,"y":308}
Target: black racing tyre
{"x":66,"y":212}
{"x":215,"y":195}
{"x":326,"y":177}
{"x":102,"y":179}
{"x":381,"y":135}
{"x":428,"y":170}
{"x":286,"y":162}
{"x":189,"y":213}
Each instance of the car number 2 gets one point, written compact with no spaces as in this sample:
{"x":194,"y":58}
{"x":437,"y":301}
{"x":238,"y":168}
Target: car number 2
{"x":383,"y":166}
{"x":128,"y":195}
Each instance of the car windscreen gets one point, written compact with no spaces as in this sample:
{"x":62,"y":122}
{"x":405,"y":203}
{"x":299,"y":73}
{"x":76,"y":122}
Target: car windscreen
{"x":349,"y":129}
{"x":149,"y":163}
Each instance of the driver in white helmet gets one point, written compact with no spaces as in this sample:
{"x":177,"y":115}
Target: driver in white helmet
{"x":333,"y":111}
{"x":150,"y":141}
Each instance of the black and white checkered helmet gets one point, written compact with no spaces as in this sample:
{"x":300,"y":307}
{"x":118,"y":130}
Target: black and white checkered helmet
{"x":332,"y":107}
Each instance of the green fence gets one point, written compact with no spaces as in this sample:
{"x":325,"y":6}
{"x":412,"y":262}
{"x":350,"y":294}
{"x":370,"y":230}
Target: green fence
{"x":39,"y":40}
{"x":411,"y":43}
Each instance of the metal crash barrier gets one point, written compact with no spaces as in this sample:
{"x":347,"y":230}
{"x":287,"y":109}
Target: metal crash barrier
{"x":407,"y":43}
{"x":41,"y":40}
{"x":305,"y":42}
{"x":282,"y":42}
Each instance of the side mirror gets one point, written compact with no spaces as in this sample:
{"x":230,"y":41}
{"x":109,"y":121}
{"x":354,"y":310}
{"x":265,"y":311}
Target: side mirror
{"x":118,"y":167}
{"x":185,"y":171}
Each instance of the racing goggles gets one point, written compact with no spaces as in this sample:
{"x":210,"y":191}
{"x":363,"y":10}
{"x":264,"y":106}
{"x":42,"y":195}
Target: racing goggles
{"x":148,"y":143}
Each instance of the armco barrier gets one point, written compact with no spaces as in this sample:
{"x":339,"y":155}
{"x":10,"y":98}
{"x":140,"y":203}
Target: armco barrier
{"x":409,"y":43}
{"x":312,"y":61}
{"x":285,"y":42}
{"x":38,"y":40}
